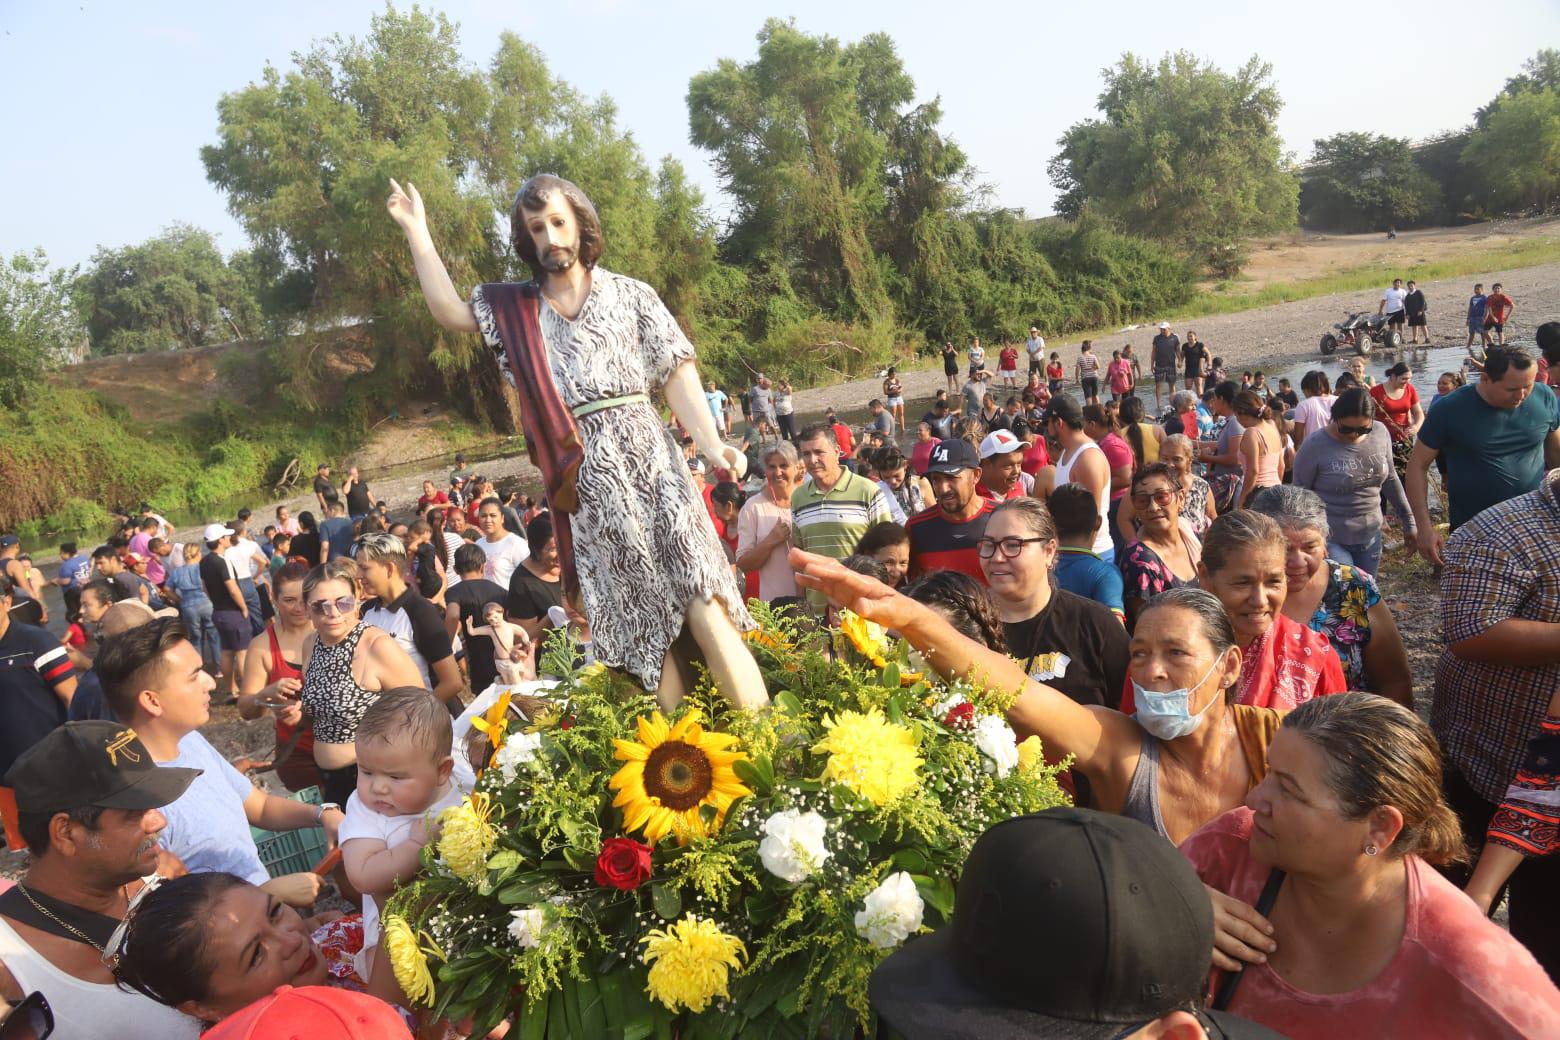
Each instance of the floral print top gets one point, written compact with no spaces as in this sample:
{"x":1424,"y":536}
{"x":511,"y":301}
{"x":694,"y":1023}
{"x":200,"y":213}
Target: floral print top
{"x":1343,"y":618}
{"x":1144,"y":574}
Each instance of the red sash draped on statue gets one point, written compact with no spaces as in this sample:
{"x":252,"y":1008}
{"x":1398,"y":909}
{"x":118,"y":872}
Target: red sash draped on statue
{"x":551,"y":438}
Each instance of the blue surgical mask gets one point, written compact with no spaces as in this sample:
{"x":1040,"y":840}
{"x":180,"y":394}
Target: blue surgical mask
{"x":1168,"y":715}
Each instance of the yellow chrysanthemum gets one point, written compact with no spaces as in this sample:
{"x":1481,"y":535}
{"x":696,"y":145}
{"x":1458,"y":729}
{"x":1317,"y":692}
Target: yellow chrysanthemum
{"x":690,"y":963}
{"x":467,"y":837}
{"x":758,"y":637}
{"x":870,"y":755}
{"x":407,"y":959}
{"x":670,"y":773}
{"x":867,"y":638}
{"x":1029,"y":754}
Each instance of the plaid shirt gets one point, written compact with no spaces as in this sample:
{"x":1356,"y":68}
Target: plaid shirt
{"x":1504,"y":563}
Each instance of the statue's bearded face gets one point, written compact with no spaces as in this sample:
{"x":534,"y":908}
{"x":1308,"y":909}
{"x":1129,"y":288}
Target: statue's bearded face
{"x":555,"y":232}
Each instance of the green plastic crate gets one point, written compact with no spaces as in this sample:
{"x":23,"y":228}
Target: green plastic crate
{"x":292,"y":852}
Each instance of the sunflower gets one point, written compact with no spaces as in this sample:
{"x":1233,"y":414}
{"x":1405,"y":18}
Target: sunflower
{"x":863,"y":636}
{"x":670,"y":773}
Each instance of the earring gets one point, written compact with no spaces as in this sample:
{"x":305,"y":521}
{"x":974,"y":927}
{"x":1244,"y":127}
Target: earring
{"x":1371,"y":850}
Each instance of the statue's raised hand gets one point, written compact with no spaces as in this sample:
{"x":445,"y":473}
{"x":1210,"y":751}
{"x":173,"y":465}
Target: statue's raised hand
{"x":406,"y":206}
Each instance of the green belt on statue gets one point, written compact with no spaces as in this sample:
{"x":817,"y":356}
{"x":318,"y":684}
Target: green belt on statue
{"x":608,"y":402}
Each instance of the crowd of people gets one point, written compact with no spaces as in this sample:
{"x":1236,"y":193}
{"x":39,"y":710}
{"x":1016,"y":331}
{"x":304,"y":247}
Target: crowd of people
{"x":1187,"y":598}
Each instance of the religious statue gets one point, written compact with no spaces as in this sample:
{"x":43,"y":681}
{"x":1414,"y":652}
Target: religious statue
{"x":585,"y":350}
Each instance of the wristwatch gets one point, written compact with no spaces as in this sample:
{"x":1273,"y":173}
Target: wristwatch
{"x":319,"y":813}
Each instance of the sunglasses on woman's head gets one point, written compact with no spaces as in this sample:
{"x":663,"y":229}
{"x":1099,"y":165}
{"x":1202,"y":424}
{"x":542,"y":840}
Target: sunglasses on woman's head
{"x":339,"y":605}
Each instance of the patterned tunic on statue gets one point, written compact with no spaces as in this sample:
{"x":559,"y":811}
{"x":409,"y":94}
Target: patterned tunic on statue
{"x":644,"y":544}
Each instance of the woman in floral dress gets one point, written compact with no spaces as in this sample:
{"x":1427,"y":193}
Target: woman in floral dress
{"x":1337,"y":600}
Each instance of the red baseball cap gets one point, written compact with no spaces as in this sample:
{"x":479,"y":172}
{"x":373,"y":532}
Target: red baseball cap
{"x":316,"y":1012}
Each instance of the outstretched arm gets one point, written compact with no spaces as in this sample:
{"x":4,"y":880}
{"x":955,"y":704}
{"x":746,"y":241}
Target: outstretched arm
{"x":448,"y":309}
{"x":686,"y":398}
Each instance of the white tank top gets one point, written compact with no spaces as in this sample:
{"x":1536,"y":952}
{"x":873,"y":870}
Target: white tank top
{"x":1103,"y":546}
{"x":90,"y":1010}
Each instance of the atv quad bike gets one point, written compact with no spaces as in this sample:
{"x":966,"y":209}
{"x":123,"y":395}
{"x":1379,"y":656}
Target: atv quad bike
{"x":1363,"y":330}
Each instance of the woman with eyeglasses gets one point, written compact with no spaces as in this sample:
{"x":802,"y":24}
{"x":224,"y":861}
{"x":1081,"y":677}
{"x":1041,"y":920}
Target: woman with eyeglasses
{"x":1070,"y":643}
{"x":1165,"y":553}
{"x":1349,"y":464}
{"x":1261,"y":448}
{"x":346,"y":665}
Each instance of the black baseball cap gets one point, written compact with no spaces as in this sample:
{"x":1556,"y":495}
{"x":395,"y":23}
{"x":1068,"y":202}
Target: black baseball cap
{"x":1064,"y":408}
{"x":1067,"y":923}
{"x":93,"y":763}
{"x":953,"y":455}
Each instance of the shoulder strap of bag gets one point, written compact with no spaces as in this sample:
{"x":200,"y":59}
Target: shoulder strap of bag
{"x":1265,"y":902}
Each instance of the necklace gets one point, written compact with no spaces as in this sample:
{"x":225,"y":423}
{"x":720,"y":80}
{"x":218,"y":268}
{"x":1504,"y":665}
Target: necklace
{"x":46,"y":912}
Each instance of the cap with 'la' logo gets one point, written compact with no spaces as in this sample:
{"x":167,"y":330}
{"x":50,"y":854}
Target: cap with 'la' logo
{"x":102,"y":764}
{"x":953,"y":455}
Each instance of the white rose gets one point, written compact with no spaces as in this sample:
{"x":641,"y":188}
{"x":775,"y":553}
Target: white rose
{"x":892,"y":912}
{"x":947,"y":704}
{"x":525,"y":926}
{"x":516,"y":750}
{"x":995,"y":739}
{"x":793,"y":847}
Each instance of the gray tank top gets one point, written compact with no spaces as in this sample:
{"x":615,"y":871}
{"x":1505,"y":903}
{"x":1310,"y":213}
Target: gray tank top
{"x":1142,"y":802}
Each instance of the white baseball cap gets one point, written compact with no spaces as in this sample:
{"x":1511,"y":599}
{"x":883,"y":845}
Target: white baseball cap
{"x":999,"y":442}
{"x":1164,"y":324}
{"x":216,"y":531}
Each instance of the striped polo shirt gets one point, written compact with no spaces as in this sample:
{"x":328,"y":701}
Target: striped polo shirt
{"x":830,"y":523}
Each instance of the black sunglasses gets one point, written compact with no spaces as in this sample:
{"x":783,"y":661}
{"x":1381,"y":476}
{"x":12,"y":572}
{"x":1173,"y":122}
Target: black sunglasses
{"x":1353,"y":431}
{"x":31,"y":1018}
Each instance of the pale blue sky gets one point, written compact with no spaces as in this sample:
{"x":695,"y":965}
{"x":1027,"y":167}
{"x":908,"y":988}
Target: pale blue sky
{"x":107,"y":104}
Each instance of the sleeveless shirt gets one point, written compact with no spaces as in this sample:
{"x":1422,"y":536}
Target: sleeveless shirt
{"x":1103,"y":546}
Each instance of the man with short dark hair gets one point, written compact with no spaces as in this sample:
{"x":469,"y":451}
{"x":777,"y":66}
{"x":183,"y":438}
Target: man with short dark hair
{"x":1079,"y":569}
{"x":1414,"y":308}
{"x":880,"y":419}
{"x":1498,"y":308}
{"x":87,"y":798}
{"x":833,"y":510}
{"x":324,"y":491}
{"x":410,"y":619}
{"x":1392,"y":305}
{"x":944,"y":537}
{"x":335,"y":533}
{"x":464,"y":602}
{"x":25,"y":606}
{"x":1499,"y":436}
{"x":107,"y":563}
{"x":154,"y":682}
{"x":36,"y":681}
{"x":940,"y":419}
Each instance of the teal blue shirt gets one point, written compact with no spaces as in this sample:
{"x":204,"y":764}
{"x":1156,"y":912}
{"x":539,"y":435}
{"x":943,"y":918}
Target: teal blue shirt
{"x":1492,"y":454}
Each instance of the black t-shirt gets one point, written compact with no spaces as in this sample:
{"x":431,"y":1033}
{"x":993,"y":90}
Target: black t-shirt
{"x":1192,"y":356}
{"x":32,"y":665}
{"x":417,"y":625}
{"x":1165,"y":349}
{"x":357,"y":499}
{"x":1414,"y":303}
{"x":1289,"y":397}
{"x":530,"y":596}
{"x":215,"y":574}
{"x":1075,"y":645}
{"x":307,"y":545}
{"x":471,"y":595}
{"x":323,"y":486}
{"x":128,"y":583}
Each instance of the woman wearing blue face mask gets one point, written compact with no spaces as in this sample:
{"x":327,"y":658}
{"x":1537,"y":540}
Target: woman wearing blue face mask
{"x":1187,"y":756}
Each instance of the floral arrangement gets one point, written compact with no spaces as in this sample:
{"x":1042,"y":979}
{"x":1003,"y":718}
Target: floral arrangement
{"x":618,"y":872}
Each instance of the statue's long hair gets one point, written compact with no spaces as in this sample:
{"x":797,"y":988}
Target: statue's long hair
{"x":534,"y":195}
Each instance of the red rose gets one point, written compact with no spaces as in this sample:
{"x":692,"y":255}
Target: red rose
{"x":623,"y":864}
{"x":960,"y":716}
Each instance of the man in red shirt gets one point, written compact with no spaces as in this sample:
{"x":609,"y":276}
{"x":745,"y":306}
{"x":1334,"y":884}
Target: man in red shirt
{"x":1002,"y":475}
{"x":1498,"y":308}
{"x":842,"y":436}
{"x":944,"y":537}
